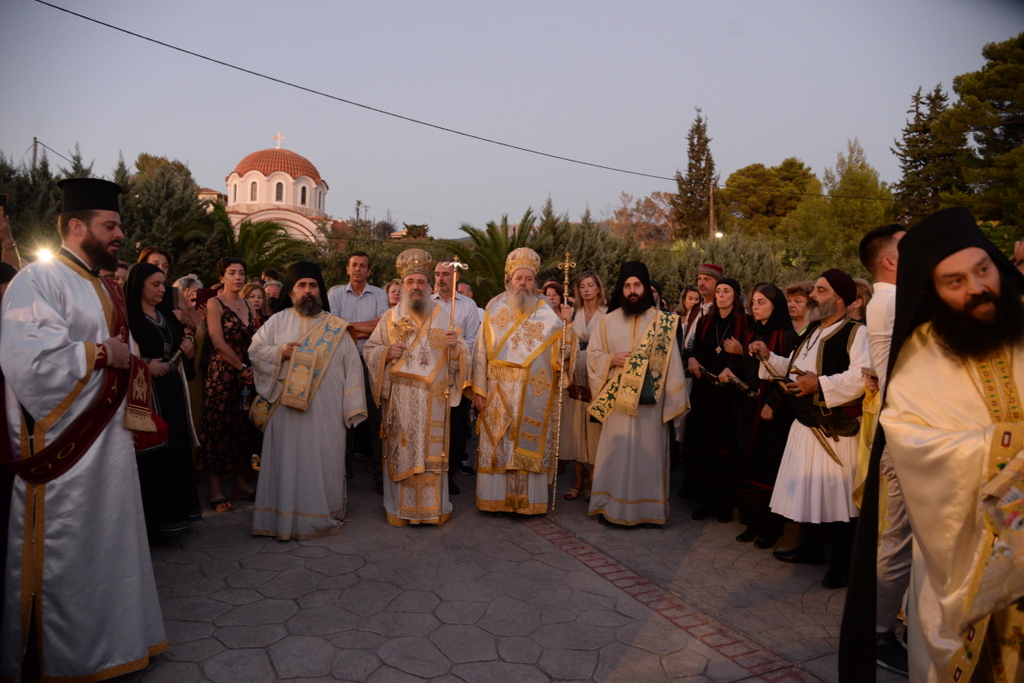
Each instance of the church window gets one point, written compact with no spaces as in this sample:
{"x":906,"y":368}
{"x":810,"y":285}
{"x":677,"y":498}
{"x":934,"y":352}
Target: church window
{"x":252,"y":191}
{"x":234,"y":194}
{"x":302,"y":197}
{"x":279,"y":192}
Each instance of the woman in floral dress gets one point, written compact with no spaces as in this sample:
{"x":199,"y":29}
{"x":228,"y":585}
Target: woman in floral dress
{"x":230,"y":326}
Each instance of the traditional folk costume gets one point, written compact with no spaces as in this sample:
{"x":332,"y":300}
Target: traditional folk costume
{"x":954,"y":430}
{"x":78,"y":564}
{"x":716,"y":447}
{"x":634,"y":403}
{"x":515,"y":366}
{"x":304,"y":406}
{"x":767,"y":438}
{"x":414,"y":394}
{"x":581,"y":431}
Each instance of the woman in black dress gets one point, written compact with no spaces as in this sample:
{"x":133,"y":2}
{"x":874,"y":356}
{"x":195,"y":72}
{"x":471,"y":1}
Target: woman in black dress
{"x":169,"y":496}
{"x":716,"y":403}
{"x":769,"y":418}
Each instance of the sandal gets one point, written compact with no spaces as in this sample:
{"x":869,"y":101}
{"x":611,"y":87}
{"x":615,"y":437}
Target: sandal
{"x":573,"y":493}
{"x":586,"y":495}
{"x":222,"y":505}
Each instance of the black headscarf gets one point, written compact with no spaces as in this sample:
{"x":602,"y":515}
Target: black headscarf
{"x":779,"y":318}
{"x":630,"y":269}
{"x":143,"y":332}
{"x":933,"y":239}
{"x":298,"y":271}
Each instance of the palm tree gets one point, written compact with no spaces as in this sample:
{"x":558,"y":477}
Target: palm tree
{"x":489,"y":248}
{"x":261,"y":244}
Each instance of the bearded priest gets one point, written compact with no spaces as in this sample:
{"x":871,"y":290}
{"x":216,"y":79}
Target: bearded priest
{"x":514,"y":386}
{"x":310,"y":385}
{"x":637,"y":380}
{"x":418,"y":365}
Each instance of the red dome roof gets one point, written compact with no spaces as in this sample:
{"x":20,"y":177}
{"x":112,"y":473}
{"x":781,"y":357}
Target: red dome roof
{"x":266,"y":161}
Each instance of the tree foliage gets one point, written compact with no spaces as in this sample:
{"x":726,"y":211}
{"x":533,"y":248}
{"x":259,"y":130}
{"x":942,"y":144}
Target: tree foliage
{"x":691,"y":207}
{"x":647,"y":220}
{"x":931,"y":158}
{"x":756,"y":198}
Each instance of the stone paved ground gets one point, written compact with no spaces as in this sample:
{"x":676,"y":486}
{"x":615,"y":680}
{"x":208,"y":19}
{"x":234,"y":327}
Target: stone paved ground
{"x":486,"y":599}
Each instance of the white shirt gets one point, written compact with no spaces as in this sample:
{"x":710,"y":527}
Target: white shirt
{"x":466,"y":315}
{"x":881,"y":315}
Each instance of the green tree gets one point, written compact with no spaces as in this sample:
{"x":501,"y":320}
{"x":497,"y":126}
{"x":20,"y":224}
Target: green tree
{"x":78,"y":168}
{"x":691,"y":206}
{"x":33,"y":204}
{"x":647,"y":220}
{"x":931,"y":158}
{"x":991,"y":111}
{"x":756,"y":198}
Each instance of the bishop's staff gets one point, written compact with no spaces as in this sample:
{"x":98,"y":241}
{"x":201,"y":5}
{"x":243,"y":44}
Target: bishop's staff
{"x":456,"y":266}
{"x":566,"y":266}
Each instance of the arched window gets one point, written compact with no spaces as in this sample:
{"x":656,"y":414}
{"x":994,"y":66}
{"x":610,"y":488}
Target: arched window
{"x":234,"y":194}
{"x":252,"y":192}
{"x":302,"y":197}
{"x":279,"y":192}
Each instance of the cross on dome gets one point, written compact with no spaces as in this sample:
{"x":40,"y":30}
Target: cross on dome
{"x":279,"y":137}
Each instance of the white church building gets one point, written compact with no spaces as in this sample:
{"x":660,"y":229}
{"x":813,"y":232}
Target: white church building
{"x":278,"y":185}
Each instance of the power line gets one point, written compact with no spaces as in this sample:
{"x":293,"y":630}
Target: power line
{"x":353,"y":103}
{"x":403,"y":117}
{"x":45,"y":146}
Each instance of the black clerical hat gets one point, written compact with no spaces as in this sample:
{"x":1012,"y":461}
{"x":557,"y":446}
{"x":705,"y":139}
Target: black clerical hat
{"x":301,"y":270}
{"x":89,"y":194}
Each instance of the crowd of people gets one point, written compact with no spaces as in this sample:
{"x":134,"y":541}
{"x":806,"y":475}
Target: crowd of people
{"x":123,"y":391}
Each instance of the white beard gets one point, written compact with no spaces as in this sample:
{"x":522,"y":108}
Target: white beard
{"x":411,"y":305}
{"x":522,"y":302}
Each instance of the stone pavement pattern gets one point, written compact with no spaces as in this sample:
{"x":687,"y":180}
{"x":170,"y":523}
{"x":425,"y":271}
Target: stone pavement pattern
{"x":488,"y":599}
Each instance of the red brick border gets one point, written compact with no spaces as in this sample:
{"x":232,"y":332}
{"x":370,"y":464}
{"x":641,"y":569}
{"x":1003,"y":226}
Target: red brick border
{"x":715,"y":634}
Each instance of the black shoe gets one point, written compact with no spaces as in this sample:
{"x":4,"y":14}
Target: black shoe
{"x":800,"y":555}
{"x":835,"y":579}
{"x":702,"y":512}
{"x":890,"y":654}
{"x":725,"y":514}
{"x":601,"y":520}
{"x":747,"y":536}
{"x":453,"y":488}
{"x":467,"y":469}
{"x":767,"y":540}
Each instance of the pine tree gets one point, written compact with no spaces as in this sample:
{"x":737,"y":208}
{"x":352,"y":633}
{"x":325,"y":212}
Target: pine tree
{"x":930,"y":157}
{"x":691,"y":206}
{"x":78,"y":169}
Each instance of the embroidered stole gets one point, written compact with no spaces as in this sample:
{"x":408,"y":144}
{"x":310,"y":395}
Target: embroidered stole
{"x":622,"y":391}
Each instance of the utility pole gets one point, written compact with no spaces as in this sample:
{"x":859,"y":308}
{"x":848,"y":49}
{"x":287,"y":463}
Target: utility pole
{"x":711,"y":206}
{"x":35,"y":148}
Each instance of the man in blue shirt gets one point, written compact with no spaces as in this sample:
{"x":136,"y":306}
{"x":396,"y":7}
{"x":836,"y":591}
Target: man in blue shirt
{"x":361,"y":305}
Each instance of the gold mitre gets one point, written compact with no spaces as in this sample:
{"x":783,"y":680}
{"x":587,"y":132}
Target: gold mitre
{"x":415,"y":261}
{"x":520,"y":258}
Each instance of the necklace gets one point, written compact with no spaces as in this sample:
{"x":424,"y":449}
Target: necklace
{"x":721,"y":339}
{"x":167,"y":338}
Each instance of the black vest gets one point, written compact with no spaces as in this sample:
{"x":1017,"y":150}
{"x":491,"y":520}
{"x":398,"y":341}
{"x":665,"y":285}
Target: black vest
{"x":833,"y":357}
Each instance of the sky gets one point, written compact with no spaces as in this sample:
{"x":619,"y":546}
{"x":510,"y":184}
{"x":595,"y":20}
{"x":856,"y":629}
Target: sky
{"x":610,"y":83}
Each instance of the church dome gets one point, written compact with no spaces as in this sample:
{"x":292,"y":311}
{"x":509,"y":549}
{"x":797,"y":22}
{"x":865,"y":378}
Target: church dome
{"x":267,"y":161}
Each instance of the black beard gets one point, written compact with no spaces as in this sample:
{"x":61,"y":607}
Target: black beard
{"x":308,"y":306}
{"x":98,"y":254}
{"x":636,"y":307}
{"x":968,"y":338}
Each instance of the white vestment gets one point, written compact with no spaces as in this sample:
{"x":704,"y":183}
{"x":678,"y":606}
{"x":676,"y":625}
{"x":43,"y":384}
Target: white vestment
{"x":411,"y":392}
{"x":942,"y":436}
{"x":301,"y":492}
{"x":582,"y":433}
{"x":811,"y":487}
{"x":515,"y":366}
{"x":96,"y":608}
{"x":632,"y":461}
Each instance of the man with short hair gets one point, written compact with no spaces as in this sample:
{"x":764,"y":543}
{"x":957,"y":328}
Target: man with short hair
{"x":417,"y":365}
{"x":708,"y":276}
{"x":80,"y":598}
{"x":468,"y":320}
{"x":310,"y":384}
{"x":816,"y":477}
{"x":879,"y":254}
{"x":361,"y":305}
{"x":514,"y":384}
{"x":633,"y":348}
{"x":952,"y":421}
